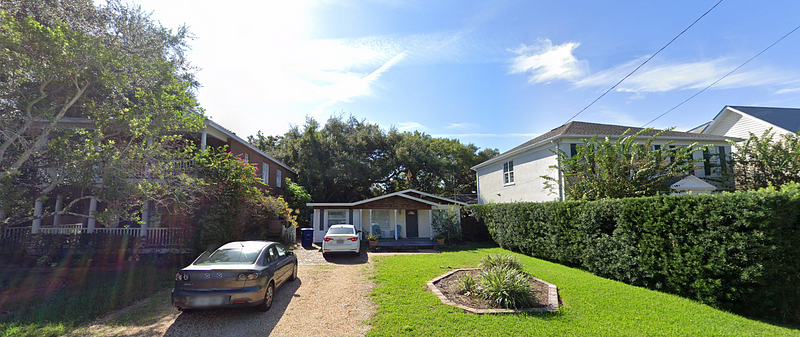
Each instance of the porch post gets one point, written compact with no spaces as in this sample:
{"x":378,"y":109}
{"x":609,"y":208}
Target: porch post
{"x":430,"y":220}
{"x":145,"y":218}
{"x":37,"y":213}
{"x":92,"y":210}
{"x":203,"y":140}
{"x":59,"y":206}
{"x":370,"y":222}
{"x":396,"y":234}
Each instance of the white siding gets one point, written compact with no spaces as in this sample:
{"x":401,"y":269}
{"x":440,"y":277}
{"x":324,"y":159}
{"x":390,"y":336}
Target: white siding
{"x":531,"y":165}
{"x":424,"y":221}
{"x":737,"y":125}
{"x":528,"y":184}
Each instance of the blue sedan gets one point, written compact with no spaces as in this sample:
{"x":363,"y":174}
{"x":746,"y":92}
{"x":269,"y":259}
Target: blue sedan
{"x":238,"y":274}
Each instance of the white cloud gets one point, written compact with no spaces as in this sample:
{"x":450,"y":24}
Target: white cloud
{"x":409,"y":125}
{"x":489,"y":135}
{"x":546,"y":62}
{"x":352,"y":86}
{"x":671,"y":76}
{"x":461,"y":126}
{"x":788,"y":90}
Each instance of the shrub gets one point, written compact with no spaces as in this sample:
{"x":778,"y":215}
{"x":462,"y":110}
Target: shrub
{"x":505,"y":287}
{"x":503,"y":261}
{"x":447,"y":222}
{"x":467,"y":284}
{"x":736,"y":251}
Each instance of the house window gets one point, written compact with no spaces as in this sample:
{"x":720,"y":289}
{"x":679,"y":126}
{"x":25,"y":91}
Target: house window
{"x":337,"y":217}
{"x":573,"y":150}
{"x":508,"y":172}
{"x":246,"y":158}
{"x":381,"y":217}
{"x":278,"y":178}
{"x":265,"y":173}
{"x":714,"y":161}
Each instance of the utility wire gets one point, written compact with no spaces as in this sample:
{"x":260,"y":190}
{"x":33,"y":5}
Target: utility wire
{"x":726,"y":75}
{"x":645,"y":62}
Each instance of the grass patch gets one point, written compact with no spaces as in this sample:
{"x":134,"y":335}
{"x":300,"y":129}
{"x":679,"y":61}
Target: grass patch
{"x":594,"y":306}
{"x":52,"y":302}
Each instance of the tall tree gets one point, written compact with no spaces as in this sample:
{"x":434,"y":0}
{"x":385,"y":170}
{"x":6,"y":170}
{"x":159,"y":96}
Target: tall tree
{"x":89,"y":98}
{"x":349,"y":159}
{"x":766,"y":160}
{"x":603,"y":169}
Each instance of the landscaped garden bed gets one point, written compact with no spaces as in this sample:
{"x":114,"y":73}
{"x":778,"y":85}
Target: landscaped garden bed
{"x":449,"y":290}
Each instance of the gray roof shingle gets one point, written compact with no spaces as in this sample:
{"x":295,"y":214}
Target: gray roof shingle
{"x":591,"y":129}
{"x":787,"y":118}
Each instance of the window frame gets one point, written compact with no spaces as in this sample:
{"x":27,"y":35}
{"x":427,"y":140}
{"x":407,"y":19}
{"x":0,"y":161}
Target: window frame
{"x":328,"y":218}
{"x":278,"y":178}
{"x":508,"y":173}
{"x":265,"y":172}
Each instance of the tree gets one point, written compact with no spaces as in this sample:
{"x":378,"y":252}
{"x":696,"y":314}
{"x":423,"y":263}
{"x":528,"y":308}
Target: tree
{"x":603,"y":169}
{"x":297,"y":197}
{"x":90,"y":97}
{"x":349,"y":159}
{"x":766,"y":160}
{"x":233,"y":202}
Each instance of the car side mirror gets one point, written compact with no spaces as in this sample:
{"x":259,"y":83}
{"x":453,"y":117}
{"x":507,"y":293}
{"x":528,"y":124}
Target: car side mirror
{"x":289,"y":253}
{"x":358,"y":231}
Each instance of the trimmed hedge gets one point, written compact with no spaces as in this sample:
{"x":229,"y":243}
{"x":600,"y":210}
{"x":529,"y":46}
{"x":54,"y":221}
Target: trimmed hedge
{"x":736,"y":251}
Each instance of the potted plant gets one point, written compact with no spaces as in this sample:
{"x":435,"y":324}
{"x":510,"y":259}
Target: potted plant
{"x":440,"y":238}
{"x":373,"y":240}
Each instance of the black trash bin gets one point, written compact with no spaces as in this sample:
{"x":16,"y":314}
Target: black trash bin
{"x":307,"y":237}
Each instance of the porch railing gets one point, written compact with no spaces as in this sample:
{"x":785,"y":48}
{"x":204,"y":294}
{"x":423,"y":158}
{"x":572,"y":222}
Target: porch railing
{"x":163,"y":237}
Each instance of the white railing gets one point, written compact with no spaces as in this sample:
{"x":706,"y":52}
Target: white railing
{"x":15,"y":234}
{"x":154,"y":236}
{"x":62,"y":230}
{"x":119,"y":231}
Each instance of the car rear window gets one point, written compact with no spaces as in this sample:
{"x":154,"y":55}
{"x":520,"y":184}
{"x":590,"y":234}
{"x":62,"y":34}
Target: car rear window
{"x":341,"y":230}
{"x":230,"y":256}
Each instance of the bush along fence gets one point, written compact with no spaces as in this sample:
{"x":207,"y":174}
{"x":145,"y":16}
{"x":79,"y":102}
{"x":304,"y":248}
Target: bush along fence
{"x":736,"y":251}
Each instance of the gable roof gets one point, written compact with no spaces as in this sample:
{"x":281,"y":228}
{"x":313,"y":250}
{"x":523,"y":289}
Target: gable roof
{"x":586,"y":129}
{"x":230,"y":134}
{"x":786,"y":118}
{"x":404,"y":194}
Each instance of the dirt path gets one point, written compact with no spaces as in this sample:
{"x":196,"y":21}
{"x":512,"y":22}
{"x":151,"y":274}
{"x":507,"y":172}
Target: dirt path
{"x":329,"y":298}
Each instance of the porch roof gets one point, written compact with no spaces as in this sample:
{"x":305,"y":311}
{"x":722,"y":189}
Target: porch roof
{"x":401,"y":194}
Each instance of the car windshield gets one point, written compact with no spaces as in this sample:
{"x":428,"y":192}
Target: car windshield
{"x":243,"y":255}
{"x":341,"y":230}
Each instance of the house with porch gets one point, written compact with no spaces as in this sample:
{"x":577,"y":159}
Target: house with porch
{"x":405,"y":214}
{"x":516,"y":175}
{"x":159,"y":227}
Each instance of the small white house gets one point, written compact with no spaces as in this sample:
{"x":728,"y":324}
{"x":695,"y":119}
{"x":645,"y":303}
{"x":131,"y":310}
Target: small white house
{"x":516,"y":175}
{"x":403,"y":214}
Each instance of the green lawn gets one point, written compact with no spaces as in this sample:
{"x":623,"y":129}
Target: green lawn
{"x":594,"y":306}
{"x":84,"y":294}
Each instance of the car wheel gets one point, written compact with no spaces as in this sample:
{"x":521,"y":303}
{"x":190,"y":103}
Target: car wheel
{"x":294,"y":273}
{"x":270,"y":292}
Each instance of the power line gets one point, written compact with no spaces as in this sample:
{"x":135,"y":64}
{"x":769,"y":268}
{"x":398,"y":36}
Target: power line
{"x":645,"y":62}
{"x":726,"y":75}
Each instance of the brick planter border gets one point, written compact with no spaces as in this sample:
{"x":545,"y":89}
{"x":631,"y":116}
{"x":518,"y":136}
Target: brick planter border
{"x":552,"y":298}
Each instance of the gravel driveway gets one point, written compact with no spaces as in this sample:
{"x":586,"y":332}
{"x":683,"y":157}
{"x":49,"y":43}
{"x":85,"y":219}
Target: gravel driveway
{"x":329,"y":298}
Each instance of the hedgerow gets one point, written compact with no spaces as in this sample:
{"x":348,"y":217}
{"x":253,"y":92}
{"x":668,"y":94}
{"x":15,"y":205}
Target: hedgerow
{"x":736,"y":251}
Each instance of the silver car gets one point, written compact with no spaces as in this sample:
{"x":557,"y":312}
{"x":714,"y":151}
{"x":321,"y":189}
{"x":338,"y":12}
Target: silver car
{"x":238,"y":274}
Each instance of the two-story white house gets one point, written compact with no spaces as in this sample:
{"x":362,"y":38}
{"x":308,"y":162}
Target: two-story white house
{"x":516,"y":175}
{"x":740,"y":121}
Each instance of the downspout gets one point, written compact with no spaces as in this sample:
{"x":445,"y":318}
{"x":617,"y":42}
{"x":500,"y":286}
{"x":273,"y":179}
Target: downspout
{"x":560,"y":177}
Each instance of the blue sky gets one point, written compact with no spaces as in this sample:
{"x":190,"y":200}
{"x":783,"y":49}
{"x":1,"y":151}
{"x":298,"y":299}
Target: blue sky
{"x":492,"y":73}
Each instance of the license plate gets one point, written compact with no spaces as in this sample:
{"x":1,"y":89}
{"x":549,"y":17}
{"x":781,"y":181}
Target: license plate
{"x":208,"y":301}
{"x":340,"y":241}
